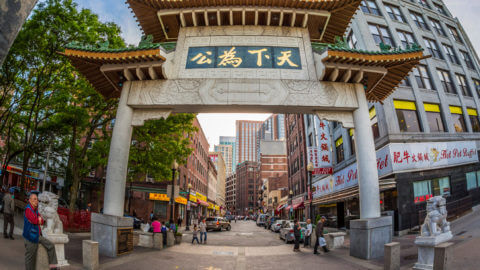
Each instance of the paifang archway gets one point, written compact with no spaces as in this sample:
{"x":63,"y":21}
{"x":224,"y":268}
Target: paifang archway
{"x":280,"y":57}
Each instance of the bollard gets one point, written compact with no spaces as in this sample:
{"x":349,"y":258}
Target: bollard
{"x":90,"y":254}
{"x":392,"y":256}
{"x":442,"y":257}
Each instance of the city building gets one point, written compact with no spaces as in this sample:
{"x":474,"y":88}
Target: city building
{"x":248,"y":185}
{"x":229,"y":140}
{"x":212,"y":188}
{"x":219,"y":163}
{"x":273,"y":168}
{"x":247,"y":140}
{"x":427,"y":132}
{"x":230,"y":193}
{"x":227,"y":153}
{"x":297,"y":164}
{"x":272,"y":129}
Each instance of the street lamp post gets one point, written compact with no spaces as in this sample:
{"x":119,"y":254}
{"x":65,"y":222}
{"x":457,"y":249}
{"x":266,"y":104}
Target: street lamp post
{"x":291,"y":204}
{"x":188,"y":208}
{"x":174,"y":169}
{"x":310,"y":170}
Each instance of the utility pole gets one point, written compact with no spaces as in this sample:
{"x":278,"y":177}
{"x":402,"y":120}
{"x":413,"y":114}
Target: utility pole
{"x":46,"y":168}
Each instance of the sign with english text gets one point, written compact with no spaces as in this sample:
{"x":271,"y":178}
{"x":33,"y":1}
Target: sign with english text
{"x":243,"y":57}
{"x":400,"y":157}
{"x":321,"y":156}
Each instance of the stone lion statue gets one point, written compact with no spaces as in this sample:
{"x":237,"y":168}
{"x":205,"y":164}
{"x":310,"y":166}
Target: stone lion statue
{"x":436,"y":221}
{"x":47,"y":206}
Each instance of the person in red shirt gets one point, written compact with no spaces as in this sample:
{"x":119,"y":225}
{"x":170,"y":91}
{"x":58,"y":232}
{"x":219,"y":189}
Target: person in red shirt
{"x":32,"y":232}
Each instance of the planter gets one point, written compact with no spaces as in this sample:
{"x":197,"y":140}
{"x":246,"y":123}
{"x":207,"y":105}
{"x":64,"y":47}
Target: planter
{"x":178,"y":239}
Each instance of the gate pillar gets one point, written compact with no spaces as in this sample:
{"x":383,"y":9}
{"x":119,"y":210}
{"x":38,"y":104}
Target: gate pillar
{"x":371,"y":232}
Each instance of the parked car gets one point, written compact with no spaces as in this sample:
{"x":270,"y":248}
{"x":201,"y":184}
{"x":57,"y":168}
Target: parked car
{"x":261,"y":220}
{"x":277,"y":225}
{"x":217,"y":223}
{"x":286,"y":232}
{"x":270,"y":221}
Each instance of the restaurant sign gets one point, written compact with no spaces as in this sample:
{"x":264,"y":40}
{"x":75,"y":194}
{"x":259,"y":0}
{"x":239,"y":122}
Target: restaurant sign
{"x":181,"y":200}
{"x":401,"y":157}
{"x":321,"y":156}
{"x":201,"y":197}
{"x":158,"y":197}
{"x":243,"y":57}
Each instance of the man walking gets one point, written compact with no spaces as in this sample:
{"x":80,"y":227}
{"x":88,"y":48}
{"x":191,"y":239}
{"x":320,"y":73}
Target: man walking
{"x":32,"y":232}
{"x":203,"y":231}
{"x":308,"y":233}
{"x":319,"y":235}
{"x":296,"y":234}
{"x":8,"y":213}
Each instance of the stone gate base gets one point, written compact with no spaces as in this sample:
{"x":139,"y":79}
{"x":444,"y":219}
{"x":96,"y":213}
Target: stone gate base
{"x":104,"y":231}
{"x":368,"y":237}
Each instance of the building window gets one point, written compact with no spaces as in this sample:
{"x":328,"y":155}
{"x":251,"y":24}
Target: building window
{"x":468,"y":60}
{"x":370,"y":7}
{"x":437,"y":27}
{"x":434,"y":117}
{"x":381,"y":34}
{"x":339,"y":150}
{"x":407,"y":116}
{"x":374,"y":122}
{"x":457,"y":119}
{"x":352,"y":141}
{"x":419,"y":21}
{"x":352,"y":40}
{"x":473,"y":115}
{"x":423,"y":3}
{"x":422,"y":77}
{"x":406,"y":38}
{"x":424,"y":190}
{"x":446,"y":81}
{"x":395,"y":13}
{"x":473,"y":180}
{"x":477,"y":85}
{"x":451,"y":54}
{"x":433,"y":48}
{"x":453,"y":31}
{"x":462,"y":83}
{"x":440,"y":9}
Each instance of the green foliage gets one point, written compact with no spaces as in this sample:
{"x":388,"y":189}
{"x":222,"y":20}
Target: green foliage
{"x":158,"y":143}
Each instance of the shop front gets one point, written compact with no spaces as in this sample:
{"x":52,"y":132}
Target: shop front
{"x":180,"y":208}
{"x":160,"y":205}
{"x":409,"y":175}
{"x":298,"y":206}
{"x":202,"y":205}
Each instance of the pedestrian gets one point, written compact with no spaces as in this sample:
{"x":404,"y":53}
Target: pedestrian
{"x":164,"y":233}
{"x":156,"y":225}
{"x":151,"y":216}
{"x":172,"y":226}
{"x":194,"y":234}
{"x":203,"y":232}
{"x":308,"y":233}
{"x":320,"y":241}
{"x":8,"y":213}
{"x":89,"y":207}
{"x":296,"y":233}
{"x":32,"y":232}
{"x":235,"y":219}
{"x":179,"y":222}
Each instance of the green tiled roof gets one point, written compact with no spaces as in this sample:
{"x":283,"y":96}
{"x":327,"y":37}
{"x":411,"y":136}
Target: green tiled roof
{"x":322,"y":47}
{"x":145,"y":44}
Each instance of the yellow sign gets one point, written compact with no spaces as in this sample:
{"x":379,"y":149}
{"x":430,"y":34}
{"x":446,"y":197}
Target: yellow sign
{"x":181,"y":200}
{"x":159,"y":197}
{"x":193,"y":197}
{"x":211,"y":206}
{"x":201,"y":197}
{"x":217,"y":207}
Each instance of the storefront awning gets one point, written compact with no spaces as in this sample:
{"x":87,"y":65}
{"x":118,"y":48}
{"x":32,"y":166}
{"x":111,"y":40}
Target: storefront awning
{"x":288,"y":207}
{"x":298,"y":206}
{"x":280,"y":207}
{"x":349,"y":193}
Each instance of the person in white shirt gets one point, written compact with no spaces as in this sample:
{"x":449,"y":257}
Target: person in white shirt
{"x":308,"y":233}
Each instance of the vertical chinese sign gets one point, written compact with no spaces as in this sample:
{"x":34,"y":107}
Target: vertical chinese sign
{"x":320,"y":155}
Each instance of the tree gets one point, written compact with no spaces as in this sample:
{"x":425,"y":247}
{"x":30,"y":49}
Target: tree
{"x":42,"y":97}
{"x":158,"y":143}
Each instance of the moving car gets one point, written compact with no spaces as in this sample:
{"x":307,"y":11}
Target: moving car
{"x":261,"y":220}
{"x":217,"y":223}
{"x":286,"y":232}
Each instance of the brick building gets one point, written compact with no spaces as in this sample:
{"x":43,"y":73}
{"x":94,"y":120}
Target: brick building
{"x":247,"y":187}
{"x":230,"y":193}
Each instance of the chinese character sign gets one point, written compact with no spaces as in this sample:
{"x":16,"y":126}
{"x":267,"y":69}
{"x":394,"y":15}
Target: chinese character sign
{"x":321,"y":156}
{"x":243,"y":57}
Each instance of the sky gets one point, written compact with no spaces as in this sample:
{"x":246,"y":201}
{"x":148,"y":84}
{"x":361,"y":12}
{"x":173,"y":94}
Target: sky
{"x":215,"y":125}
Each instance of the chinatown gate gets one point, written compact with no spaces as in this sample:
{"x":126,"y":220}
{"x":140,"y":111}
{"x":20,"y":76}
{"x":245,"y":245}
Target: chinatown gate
{"x":256,"y":56}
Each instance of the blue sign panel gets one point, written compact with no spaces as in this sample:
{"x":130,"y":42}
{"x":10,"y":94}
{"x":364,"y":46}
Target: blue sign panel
{"x":243,"y":57}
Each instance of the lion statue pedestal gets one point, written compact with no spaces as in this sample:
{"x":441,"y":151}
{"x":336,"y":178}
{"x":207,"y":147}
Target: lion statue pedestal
{"x":435,"y":230}
{"x":53,"y":228}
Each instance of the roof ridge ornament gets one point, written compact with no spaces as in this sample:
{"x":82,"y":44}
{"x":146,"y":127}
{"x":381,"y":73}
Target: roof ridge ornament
{"x":146,"y":41}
